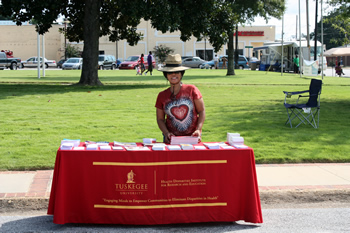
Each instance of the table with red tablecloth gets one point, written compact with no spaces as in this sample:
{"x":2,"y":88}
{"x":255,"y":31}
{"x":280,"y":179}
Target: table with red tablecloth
{"x":155,"y":187}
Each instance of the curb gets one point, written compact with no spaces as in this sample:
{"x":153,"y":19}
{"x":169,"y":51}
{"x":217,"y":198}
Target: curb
{"x":267,"y":198}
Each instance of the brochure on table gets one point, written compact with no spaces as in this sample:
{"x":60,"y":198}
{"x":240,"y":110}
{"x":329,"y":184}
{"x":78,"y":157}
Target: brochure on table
{"x":234,"y":140}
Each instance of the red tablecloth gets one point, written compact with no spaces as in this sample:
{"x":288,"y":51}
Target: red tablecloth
{"x":155,"y":187}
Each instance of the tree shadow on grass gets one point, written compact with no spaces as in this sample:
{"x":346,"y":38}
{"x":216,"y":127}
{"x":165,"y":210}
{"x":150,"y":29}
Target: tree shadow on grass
{"x":7,"y":90}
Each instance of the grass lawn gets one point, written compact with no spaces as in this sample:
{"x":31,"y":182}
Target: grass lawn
{"x":36,"y":114}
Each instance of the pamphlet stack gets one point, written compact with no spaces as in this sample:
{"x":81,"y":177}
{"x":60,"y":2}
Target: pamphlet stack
{"x":177,"y":140}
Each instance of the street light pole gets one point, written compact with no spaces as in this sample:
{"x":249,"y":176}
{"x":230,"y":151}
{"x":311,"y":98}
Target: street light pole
{"x":38,"y":57}
{"x":65,"y":40}
{"x":205,"y":48}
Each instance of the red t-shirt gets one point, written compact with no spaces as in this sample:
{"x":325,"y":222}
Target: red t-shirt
{"x":181,"y":114}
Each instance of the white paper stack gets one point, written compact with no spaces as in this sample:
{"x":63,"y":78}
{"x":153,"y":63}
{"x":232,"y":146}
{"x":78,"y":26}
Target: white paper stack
{"x":232,"y":135}
{"x":200,"y":148}
{"x":75,"y":142}
{"x":92,"y":147}
{"x":225,"y":146}
{"x":149,"y":140}
{"x":174,"y":147}
{"x":117,"y":148}
{"x":158,"y":147}
{"x":79,"y":148}
{"x":102,"y":143}
{"x":67,"y":146}
{"x":234,"y":139}
{"x":177,"y":140}
{"x":124,"y":144}
{"x":136,"y":148}
{"x":152,"y":144}
{"x":105,"y":148}
{"x":212,"y":145}
{"x":240,"y":146}
{"x":186,"y":146}
{"x":237,"y":141}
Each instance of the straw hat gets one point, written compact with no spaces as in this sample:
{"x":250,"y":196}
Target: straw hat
{"x":173,"y":63}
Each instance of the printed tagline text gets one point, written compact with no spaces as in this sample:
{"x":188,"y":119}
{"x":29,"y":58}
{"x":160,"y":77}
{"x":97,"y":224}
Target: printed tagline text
{"x":172,"y":200}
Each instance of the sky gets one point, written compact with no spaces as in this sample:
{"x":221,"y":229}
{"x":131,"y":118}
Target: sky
{"x":291,"y":13}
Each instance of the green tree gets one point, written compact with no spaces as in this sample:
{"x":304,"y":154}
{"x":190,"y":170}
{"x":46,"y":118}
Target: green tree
{"x":4,"y":18}
{"x":214,"y":19}
{"x":118,"y":19}
{"x":89,"y":20}
{"x":161,"y":52}
{"x":331,"y":36}
{"x":72,"y":51}
{"x":228,"y":14}
{"x":336,"y":25}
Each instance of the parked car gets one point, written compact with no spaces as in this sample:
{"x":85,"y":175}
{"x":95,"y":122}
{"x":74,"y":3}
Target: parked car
{"x":194,"y":62}
{"x":33,"y":62}
{"x":114,"y":62}
{"x":184,"y":57}
{"x":9,"y":62}
{"x":242,"y":63}
{"x":254,"y":60}
{"x":74,"y":63}
{"x":60,"y":63}
{"x":132,"y":61}
{"x":106,"y":62}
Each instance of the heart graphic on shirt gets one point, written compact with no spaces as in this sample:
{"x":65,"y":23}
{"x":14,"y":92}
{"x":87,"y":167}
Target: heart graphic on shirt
{"x":180,"y":112}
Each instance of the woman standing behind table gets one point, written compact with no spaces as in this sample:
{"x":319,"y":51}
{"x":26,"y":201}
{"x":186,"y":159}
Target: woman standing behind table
{"x":180,"y":108}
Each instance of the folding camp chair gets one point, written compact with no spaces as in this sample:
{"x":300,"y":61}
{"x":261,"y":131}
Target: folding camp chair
{"x":309,"y":112}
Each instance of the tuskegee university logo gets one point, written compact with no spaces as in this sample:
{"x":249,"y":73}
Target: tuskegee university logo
{"x":130,"y":177}
{"x":130,"y":186}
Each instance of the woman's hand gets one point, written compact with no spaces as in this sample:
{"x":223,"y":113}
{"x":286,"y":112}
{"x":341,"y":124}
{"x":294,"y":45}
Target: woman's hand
{"x":168,"y":137}
{"x":197,"y":133}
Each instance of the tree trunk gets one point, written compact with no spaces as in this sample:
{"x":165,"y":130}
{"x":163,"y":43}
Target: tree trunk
{"x":236,"y":49}
{"x":230,"y":66}
{"x":89,"y":74}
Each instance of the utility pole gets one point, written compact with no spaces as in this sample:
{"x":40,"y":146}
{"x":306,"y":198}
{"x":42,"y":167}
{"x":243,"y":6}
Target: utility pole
{"x":282,"y":62}
{"x":205,"y":48}
{"x":38,"y":57}
{"x":307,"y":30}
{"x":315,"y":50}
{"x":301,"y":59}
{"x":296,"y":27}
{"x":43,"y":47}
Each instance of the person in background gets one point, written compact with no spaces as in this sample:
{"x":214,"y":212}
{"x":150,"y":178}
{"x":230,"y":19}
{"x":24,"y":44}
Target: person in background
{"x":142,"y":63}
{"x":224,"y":60}
{"x":216,"y":61}
{"x":277,"y":66}
{"x":138,"y":70}
{"x":339,"y":70}
{"x":150,"y":64}
{"x":180,"y":108}
{"x":296,"y":64}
